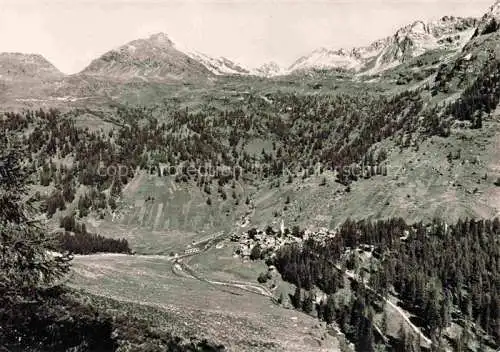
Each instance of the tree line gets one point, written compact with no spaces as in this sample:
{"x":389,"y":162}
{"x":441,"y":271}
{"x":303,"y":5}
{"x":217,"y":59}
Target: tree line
{"x":76,"y":240}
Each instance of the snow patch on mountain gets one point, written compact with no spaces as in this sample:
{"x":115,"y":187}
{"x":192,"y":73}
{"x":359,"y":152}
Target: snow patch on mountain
{"x":223,"y":66}
{"x":325,"y":59}
{"x":269,"y":69}
{"x":450,"y":33}
{"x":219,"y":65}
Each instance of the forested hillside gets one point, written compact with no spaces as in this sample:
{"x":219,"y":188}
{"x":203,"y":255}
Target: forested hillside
{"x":442,"y":274}
{"x":140,"y":199}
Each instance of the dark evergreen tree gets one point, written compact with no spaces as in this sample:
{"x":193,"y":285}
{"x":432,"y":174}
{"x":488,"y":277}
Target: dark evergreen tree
{"x":26,"y":262}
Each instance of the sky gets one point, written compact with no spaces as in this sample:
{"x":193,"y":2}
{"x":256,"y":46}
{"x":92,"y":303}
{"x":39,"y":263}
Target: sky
{"x":71,"y":33}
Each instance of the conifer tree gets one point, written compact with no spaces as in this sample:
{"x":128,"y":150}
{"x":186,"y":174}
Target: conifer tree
{"x":296,"y":299}
{"x":27,"y":262}
{"x":307,"y":304}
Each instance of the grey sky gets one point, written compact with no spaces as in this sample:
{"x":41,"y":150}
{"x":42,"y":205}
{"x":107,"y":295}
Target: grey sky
{"x":70,"y":33}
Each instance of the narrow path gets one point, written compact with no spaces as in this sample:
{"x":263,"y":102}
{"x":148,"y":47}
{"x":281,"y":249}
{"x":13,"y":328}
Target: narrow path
{"x":248,"y":287}
{"x":177,"y":271}
{"x":394,"y":306}
{"x":207,"y":244}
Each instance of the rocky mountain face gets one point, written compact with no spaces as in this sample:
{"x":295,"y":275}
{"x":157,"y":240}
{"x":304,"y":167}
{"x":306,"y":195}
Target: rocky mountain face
{"x":468,"y":43}
{"x":155,"y":58}
{"x":18,"y":66}
{"x":448,"y":33}
{"x":490,"y":22}
{"x":269,"y":69}
{"x":219,"y":65}
{"x":328,"y":59}
{"x":480,"y":54}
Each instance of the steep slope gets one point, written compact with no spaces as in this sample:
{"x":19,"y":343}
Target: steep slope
{"x":481,"y":53}
{"x":448,"y":33}
{"x":19,"y":66}
{"x":155,"y":58}
{"x":490,"y":22}
{"x":219,"y":65}
{"x":344,"y":59}
{"x":222,"y":66}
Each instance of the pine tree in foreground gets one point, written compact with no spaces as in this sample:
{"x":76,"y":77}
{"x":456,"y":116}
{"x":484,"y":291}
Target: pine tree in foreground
{"x":27,"y":253}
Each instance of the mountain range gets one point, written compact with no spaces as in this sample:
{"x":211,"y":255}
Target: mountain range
{"x":424,"y":49}
{"x":158,"y":58}
{"x":448,"y":33}
{"x":155,"y":58}
{"x":342,"y":151}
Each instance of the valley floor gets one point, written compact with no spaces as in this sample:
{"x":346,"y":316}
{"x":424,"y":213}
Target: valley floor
{"x":229,"y":313}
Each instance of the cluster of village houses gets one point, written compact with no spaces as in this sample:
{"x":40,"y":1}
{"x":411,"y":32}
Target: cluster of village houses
{"x":272,"y":240}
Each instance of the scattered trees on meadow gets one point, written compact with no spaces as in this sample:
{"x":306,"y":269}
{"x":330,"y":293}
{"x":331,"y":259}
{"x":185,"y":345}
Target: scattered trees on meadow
{"x":316,"y":132}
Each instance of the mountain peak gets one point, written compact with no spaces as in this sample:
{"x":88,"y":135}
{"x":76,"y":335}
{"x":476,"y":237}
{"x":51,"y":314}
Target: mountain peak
{"x":495,"y":7}
{"x":409,"y":41}
{"x":17,"y":65}
{"x":414,"y":28}
{"x":418,"y":26}
{"x":161,"y":38}
{"x":490,"y":22}
{"x":154,"y":58}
